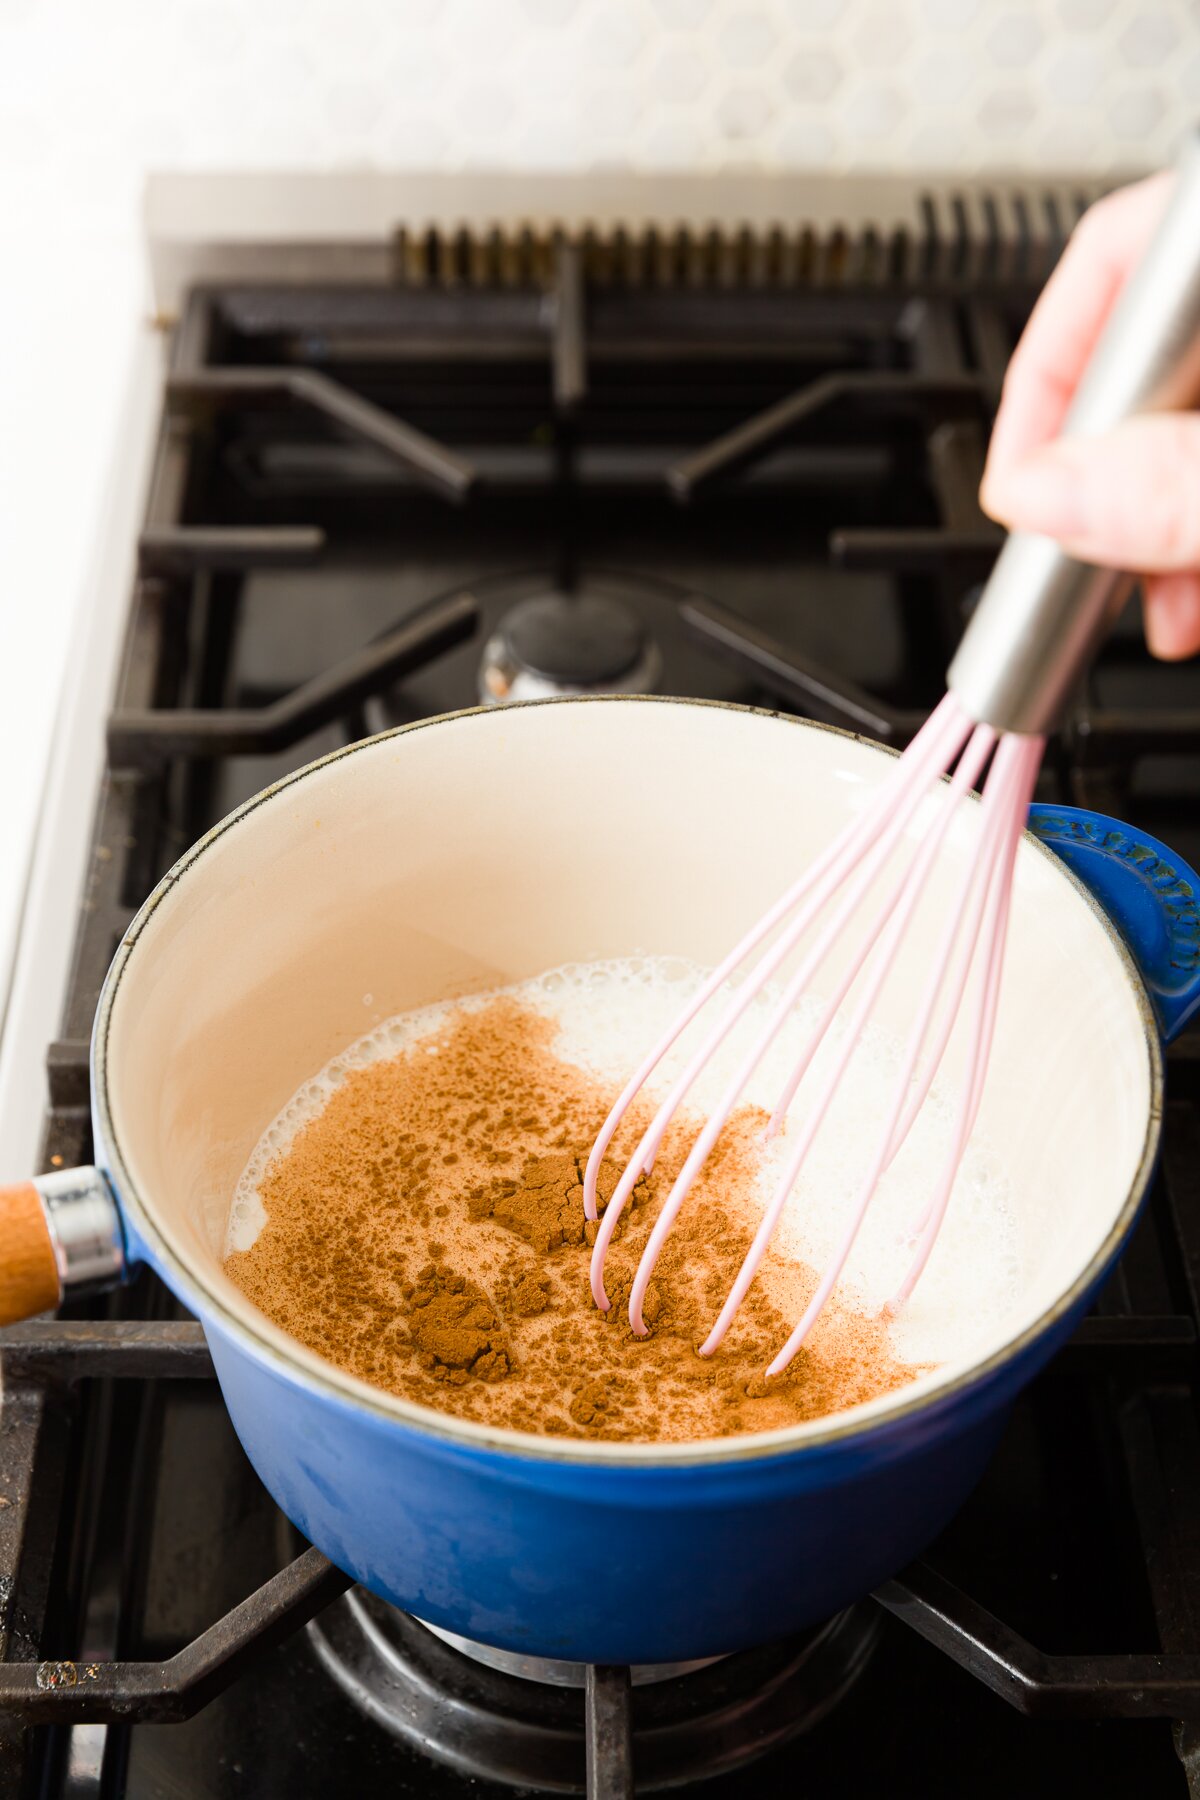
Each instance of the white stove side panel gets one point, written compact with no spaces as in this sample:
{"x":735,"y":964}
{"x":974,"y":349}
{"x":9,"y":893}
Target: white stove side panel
{"x":75,"y":441}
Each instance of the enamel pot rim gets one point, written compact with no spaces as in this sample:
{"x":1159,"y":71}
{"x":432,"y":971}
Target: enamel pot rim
{"x":266,"y":1343}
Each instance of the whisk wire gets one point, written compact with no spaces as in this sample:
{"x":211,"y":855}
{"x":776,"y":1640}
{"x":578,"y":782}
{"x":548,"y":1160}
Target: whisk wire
{"x":950,"y":751}
{"x":784,"y":1007}
{"x":973,"y":758}
{"x":859,"y":833}
{"x":969,"y":906}
{"x":990,"y":852}
{"x":1025,"y":759}
{"x":905,"y":900}
{"x":832,"y":871}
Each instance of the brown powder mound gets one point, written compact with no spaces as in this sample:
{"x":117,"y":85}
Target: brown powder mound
{"x":457,"y":1332}
{"x":426,"y":1233}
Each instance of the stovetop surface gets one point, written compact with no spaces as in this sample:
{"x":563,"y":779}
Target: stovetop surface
{"x":777,"y":469}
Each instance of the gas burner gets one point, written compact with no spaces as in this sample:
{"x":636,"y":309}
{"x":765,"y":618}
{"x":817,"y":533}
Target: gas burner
{"x":519,"y":1720}
{"x":551,"y":1671}
{"x":583,"y":642}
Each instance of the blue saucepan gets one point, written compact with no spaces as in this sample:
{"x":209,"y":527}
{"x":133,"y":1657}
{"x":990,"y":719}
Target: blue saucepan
{"x":487,"y":846}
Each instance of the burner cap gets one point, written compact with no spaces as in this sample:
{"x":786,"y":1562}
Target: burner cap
{"x":528,"y":1733}
{"x":557,"y":643}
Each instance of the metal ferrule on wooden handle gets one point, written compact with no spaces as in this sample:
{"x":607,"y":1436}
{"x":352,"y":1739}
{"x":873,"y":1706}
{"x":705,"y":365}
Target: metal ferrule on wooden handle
{"x":60,"y":1237}
{"x":1043,"y":615}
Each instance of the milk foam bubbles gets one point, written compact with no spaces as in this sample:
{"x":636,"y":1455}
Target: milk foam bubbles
{"x":608,"y":1014}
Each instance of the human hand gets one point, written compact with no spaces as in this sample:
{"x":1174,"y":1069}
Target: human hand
{"x":1130,"y":497}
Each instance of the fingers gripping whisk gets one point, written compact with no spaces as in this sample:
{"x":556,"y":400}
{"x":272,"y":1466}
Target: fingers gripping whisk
{"x":863,"y":868}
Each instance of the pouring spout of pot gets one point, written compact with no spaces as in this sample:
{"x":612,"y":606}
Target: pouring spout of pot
{"x":62,"y":1239}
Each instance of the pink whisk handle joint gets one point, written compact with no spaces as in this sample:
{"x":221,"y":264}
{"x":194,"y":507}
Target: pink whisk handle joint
{"x":1043,"y":615}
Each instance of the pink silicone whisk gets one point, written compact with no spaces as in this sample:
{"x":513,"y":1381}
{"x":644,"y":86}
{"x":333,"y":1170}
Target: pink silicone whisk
{"x":1039,"y":622}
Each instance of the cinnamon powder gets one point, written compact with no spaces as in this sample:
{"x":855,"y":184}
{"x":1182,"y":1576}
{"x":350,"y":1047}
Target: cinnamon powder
{"x":426,"y":1233}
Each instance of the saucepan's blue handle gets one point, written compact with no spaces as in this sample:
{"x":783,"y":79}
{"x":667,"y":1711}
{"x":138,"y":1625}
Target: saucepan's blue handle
{"x":1149,"y":893}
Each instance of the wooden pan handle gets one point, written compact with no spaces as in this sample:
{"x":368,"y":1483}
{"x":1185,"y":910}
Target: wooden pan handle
{"x":28,"y":1272}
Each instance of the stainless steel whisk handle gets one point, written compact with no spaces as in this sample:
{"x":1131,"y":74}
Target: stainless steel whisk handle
{"x":1043,"y":615}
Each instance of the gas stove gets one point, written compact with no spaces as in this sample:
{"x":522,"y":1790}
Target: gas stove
{"x":735,"y":463}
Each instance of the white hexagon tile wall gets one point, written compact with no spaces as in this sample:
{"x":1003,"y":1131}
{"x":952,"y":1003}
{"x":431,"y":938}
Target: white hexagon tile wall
{"x":92,"y":95}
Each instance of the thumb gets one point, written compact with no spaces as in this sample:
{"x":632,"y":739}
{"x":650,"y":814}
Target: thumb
{"x":1129,"y":498}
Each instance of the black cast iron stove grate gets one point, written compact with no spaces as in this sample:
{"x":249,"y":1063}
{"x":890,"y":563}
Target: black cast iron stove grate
{"x":775,"y":443}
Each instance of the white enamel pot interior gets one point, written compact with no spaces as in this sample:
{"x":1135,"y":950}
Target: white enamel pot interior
{"x":488,"y":846}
